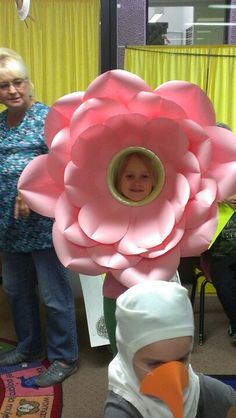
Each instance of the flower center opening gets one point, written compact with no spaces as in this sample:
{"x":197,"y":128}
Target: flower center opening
{"x":135,"y":176}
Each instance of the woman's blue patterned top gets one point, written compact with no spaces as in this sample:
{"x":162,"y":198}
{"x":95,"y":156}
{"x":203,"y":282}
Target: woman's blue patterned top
{"x":19,"y":145}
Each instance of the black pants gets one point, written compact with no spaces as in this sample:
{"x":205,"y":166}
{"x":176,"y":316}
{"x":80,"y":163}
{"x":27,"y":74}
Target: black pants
{"x":223,"y":273}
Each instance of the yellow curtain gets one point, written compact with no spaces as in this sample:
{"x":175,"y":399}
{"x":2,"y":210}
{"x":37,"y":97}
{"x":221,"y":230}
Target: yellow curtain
{"x":213,"y":68}
{"x":157,"y":65}
{"x":222,"y":83}
{"x":60,"y":46}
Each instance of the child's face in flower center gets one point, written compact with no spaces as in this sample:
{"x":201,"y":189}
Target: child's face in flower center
{"x":136,"y":180}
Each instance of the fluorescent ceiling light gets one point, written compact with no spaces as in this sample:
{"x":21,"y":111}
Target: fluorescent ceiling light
{"x":222,"y":6}
{"x":155,"y":17}
{"x":210,"y":19}
{"x":211,"y":24}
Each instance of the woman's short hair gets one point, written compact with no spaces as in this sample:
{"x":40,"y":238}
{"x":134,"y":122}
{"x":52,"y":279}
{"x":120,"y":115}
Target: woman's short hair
{"x":12,"y":64}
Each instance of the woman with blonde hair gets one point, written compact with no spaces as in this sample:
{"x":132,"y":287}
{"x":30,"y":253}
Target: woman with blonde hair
{"x":28,"y":256}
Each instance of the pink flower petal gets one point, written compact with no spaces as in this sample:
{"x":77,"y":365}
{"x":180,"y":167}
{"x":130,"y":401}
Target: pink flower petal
{"x":162,"y":268}
{"x":87,"y":151}
{"x":60,"y":114}
{"x":37,"y":188}
{"x":118,"y":84}
{"x":74,"y":257}
{"x":153,"y":106}
{"x":161,"y":220}
{"x":197,"y":240}
{"x":107,"y":256}
{"x":81,"y":185}
{"x":166,"y":138}
{"x":66,"y":217}
{"x":177,"y":191}
{"x":104,"y":220}
{"x":128,"y":246}
{"x":94,"y":112}
{"x":200,"y":143}
{"x":181,"y":194}
{"x":203,"y":154}
{"x":173,"y":239}
{"x":223,"y":140}
{"x":189,"y":167}
{"x":128,"y":129}
{"x":59,"y":155}
{"x":198,"y":209}
{"x":224,"y":176}
{"x":191,"y":98}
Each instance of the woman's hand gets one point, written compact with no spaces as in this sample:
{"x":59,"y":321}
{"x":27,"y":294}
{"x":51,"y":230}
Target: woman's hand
{"x":20,"y":208}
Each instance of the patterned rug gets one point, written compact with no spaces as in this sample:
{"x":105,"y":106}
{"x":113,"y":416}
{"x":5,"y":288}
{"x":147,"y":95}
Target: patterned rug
{"x":19,"y":396}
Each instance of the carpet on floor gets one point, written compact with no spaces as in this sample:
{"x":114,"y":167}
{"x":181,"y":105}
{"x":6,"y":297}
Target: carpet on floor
{"x":19,"y":396}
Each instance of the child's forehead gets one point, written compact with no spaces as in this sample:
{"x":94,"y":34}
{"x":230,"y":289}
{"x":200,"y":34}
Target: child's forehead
{"x":135,"y":157}
{"x":136,"y":160}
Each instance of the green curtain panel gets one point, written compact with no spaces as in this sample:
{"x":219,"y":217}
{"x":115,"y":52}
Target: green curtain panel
{"x":213,"y":68}
{"x":60,"y":46}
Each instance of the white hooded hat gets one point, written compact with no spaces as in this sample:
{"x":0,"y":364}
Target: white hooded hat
{"x":151,"y":312}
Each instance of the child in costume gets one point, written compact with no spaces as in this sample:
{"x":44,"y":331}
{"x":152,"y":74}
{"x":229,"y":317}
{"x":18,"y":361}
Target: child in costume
{"x":151,"y":375}
{"x":98,"y":229}
{"x":135,"y":179}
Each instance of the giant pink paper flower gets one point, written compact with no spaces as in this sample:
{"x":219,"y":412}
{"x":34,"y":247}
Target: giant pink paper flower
{"x":95,"y":229}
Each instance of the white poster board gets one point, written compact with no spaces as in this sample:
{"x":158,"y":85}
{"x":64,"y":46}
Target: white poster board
{"x":93,"y":300}
{"x":92,"y":293}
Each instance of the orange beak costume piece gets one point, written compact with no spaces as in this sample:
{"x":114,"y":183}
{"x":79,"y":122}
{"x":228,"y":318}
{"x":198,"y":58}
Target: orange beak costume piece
{"x":167,"y":383}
